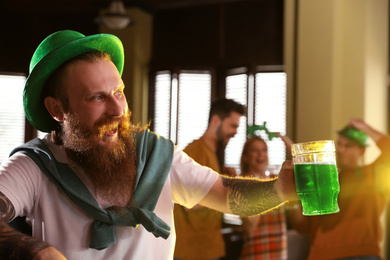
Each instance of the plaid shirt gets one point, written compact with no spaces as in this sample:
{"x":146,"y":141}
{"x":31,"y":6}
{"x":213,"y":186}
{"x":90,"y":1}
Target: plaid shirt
{"x":269,"y":239}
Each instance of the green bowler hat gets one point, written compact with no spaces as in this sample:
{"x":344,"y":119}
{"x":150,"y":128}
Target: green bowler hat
{"x":354,"y":135}
{"x":55,"y":50}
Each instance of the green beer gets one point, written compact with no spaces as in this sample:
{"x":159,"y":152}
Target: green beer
{"x":317,"y":185}
{"x":316,"y":176}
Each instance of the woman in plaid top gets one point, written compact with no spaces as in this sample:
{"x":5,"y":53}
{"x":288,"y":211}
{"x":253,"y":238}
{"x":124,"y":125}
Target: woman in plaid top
{"x":265,"y":236}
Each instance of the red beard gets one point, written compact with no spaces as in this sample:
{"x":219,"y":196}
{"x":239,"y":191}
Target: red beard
{"x":110,"y":167}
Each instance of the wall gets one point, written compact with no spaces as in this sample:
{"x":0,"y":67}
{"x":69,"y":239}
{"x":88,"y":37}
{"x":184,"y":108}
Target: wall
{"x":339,"y":66}
{"x":23,"y":30}
{"x":137,"y":40}
{"x":336,"y":57}
{"x":230,"y":34}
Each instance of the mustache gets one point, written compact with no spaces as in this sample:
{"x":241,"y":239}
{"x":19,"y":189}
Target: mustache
{"x":75,"y":136}
{"x":107,"y":126}
{"x":111,"y":124}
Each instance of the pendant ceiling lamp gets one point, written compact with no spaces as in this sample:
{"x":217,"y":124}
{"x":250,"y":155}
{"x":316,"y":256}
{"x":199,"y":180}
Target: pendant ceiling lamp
{"x":116,"y":17}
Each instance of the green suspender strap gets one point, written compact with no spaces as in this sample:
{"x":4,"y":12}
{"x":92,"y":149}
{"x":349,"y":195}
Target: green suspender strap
{"x":155,"y":155}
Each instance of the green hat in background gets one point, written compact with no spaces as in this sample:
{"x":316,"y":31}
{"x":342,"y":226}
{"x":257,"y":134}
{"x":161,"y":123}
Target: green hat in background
{"x":354,"y":135}
{"x":55,"y":50}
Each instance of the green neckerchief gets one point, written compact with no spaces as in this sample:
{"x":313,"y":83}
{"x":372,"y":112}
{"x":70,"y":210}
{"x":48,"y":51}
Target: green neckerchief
{"x":154,"y":159}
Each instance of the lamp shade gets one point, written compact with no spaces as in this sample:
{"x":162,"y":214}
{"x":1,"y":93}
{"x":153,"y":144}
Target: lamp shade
{"x":116,"y":17}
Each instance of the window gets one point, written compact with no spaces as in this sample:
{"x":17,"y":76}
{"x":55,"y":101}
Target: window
{"x":12,"y":118}
{"x":193,"y":106}
{"x":41,"y":134}
{"x":270,"y":107}
{"x":236,"y":89}
{"x":163,"y":93}
{"x":264,"y":94}
{"x":182,"y":104}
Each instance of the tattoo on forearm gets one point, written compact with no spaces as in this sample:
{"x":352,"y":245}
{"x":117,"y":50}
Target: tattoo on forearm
{"x":13,"y":244}
{"x":7,"y":211}
{"x":248,"y":197}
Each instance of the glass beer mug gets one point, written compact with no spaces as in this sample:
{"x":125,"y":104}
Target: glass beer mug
{"x":316,"y":176}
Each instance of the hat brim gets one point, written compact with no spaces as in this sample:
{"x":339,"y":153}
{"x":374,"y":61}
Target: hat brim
{"x":33,"y":101}
{"x":351,"y":139}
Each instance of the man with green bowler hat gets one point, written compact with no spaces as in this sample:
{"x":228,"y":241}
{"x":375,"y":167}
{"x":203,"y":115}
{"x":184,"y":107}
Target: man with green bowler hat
{"x":97,"y":186}
{"x":351,"y":146}
{"x":355,"y":232}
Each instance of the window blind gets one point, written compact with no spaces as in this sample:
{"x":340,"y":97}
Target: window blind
{"x":182,"y":105}
{"x":194,"y":106}
{"x":162,"y":107}
{"x":270,"y":107}
{"x":12,"y":118}
{"x":236,"y":89}
{"x":265,"y":98}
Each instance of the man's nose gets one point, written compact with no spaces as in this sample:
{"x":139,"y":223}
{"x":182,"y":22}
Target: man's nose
{"x":115,"y":107}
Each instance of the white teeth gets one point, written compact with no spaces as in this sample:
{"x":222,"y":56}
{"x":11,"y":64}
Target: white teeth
{"x":112,"y":132}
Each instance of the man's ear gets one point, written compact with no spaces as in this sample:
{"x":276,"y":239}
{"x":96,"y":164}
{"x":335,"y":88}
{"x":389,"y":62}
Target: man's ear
{"x":53,"y":105}
{"x":215,"y":120}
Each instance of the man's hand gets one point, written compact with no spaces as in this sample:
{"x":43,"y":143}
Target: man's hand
{"x":49,"y":253}
{"x":285,"y":184}
{"x":358,"y":124}
{"x":361,"y":125}
{"x":287,"y":142}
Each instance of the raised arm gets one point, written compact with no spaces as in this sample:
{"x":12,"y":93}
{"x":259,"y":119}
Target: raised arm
{"x":287,"y":142}
{"x":248,"y":197}
{"x":226,"y":171}
{"x":16,"y":245}
{"x":363,"y":126}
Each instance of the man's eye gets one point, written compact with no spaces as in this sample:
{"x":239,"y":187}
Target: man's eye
{"x":97,"y":98}
{"x":119,"y":93}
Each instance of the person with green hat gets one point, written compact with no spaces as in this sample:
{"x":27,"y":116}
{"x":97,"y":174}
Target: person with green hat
{"x":355,"y":232}
{"x":97,"y":186}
